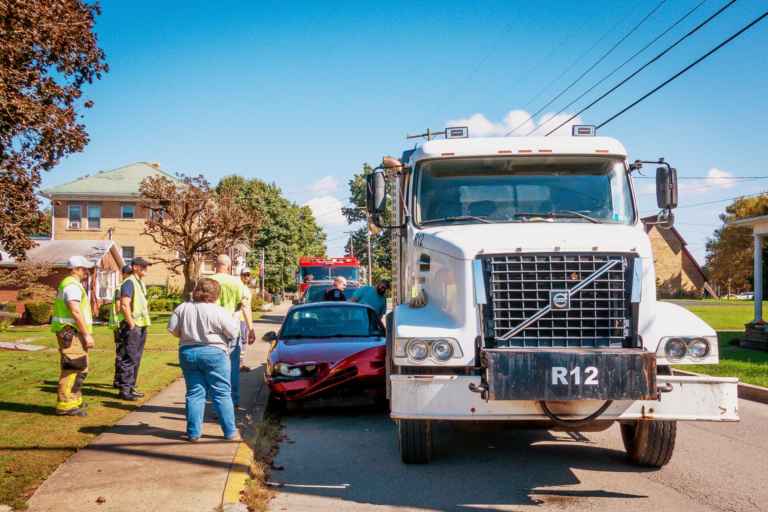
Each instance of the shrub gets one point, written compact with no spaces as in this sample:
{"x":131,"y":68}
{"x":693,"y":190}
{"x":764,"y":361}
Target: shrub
{"x":38,"y":313}
{"x":163,"y":305}
{"x":37,"y":293}
{"x":8,"y":307}
{"x":7,"y":318}
{"x":156,"y":291}
{"x":104,"y":311}
{"x":256,"y":302}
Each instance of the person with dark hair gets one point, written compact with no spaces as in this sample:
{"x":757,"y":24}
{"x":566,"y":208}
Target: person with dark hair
{"x":114,"y":322}
{"x":204,"y":330}
{"x":374,"y":297}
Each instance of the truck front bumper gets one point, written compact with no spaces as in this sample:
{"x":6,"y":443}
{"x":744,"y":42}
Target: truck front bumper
{"x":448,"y":397}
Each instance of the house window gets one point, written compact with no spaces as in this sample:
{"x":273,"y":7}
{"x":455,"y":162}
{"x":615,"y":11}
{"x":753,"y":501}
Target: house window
{"x":94,"y":216}
{"x":106,"y":282}
{"x":127,"y":254}
{"x":128,"y":211}
{"x":75,"y":214}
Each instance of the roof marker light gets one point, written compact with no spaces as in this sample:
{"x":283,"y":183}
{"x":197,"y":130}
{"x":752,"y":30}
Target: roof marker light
{"x":457,"y":132}
{"x":545,"y":151}
{"x":504,"y":151}
{"x":447,"y":154}
{"x":601,"y":151}
{"x":525,"y":151}
{"x":583,"y":130}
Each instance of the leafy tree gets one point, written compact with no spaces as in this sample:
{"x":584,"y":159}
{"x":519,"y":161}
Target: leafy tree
{"x":48,"y":52}
{"x":730,"y":251}
{"x":191,"y":221}
{"x":381,"y":241}
{"x":287,"y":230}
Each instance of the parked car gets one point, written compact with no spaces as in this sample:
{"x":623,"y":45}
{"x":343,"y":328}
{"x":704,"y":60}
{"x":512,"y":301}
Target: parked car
{"x":327,"y":348}
{"x":317,"y":289}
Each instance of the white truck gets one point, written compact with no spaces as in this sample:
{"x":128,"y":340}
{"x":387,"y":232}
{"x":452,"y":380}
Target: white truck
{"x":524,"y":291}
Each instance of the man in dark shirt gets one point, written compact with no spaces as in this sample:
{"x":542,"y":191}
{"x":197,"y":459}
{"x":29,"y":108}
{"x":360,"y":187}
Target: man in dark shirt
{"x":336,"y":293}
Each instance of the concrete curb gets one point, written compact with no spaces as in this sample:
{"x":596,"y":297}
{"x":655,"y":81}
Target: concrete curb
{"x":239,"y":471}
{"x":746,"y":391}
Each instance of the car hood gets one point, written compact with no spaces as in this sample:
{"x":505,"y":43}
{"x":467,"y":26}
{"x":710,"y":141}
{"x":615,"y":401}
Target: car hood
{"x":323,"y":350}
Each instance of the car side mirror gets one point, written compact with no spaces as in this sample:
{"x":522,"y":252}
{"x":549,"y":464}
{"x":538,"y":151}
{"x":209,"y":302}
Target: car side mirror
{"x":666,"y":187}
{"x":269,"y":337}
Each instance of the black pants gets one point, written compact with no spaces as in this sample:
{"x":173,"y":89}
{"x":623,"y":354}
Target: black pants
{"x":130,"y":349}
{"x":115,"y":382}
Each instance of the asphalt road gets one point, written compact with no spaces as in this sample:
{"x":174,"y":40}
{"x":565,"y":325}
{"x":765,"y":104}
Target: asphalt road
{"x":345,"y":460}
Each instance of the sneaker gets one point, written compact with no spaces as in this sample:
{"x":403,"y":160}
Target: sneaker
{"x":233,"y":437}
{"x":136,"y":392}
{"x":190,"y":439}
{"x":130,"y":397}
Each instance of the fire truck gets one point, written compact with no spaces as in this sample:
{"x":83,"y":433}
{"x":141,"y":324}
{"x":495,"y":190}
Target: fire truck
{"x":326,"y":269}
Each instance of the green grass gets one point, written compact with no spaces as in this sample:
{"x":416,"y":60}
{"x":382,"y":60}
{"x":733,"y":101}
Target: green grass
{"x":728,"y":318}
{"x":33,"y":441}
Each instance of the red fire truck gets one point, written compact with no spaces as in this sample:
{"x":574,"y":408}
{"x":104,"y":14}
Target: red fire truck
{"x":325,"y":269}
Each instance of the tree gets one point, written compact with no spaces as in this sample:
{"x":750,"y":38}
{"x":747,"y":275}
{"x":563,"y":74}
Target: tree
{"x":730,"y":251}
{"x":191,"y":221}
{"x":48,"y":52}
{"x":381,"y":242}
{"x":287,"y":231}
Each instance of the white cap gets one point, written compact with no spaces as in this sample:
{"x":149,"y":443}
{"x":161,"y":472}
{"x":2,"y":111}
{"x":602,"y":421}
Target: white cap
{"x":78,"y":262}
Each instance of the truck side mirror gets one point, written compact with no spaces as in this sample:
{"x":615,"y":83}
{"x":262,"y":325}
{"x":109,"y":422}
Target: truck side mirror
{"x":666,"y":187}
{"x":376,"y":193}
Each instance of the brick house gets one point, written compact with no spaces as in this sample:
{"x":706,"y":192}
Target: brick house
{"x":678,"y":273}
{"x":105,"y":206}
{"x":103,"y":278}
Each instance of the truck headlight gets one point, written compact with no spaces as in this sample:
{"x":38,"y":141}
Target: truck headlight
{"x":418,"y":350}
{"x":698,"y":347}
{"x":442,"y":350}
{"x":675,"y":348}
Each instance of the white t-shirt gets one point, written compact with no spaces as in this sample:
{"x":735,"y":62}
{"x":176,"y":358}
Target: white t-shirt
{"x":72,"y":292}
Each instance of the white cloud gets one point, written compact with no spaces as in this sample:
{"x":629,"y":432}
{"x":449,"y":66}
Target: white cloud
{"x":717,"y":178}
{"x":324,"y":186}
{"x":516,"y":123}
{"x":327,"y":211}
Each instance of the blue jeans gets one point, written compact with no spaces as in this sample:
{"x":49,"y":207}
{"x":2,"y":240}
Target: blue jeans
{"x":204,"y":368}
{"x":234,"y":377}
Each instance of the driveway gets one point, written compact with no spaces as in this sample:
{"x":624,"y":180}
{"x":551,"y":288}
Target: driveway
{"x":347,"y":460}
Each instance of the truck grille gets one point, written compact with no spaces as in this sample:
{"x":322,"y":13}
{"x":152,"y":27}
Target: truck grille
{"x":526,"y":300}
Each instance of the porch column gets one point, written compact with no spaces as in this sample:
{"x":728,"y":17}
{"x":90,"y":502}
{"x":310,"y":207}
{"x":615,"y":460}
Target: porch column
{"x":758,"y":277}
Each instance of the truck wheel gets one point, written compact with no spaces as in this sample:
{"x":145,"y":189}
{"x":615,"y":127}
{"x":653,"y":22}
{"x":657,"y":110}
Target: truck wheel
{"x":649,"y":443}
{"x":415,"y":438}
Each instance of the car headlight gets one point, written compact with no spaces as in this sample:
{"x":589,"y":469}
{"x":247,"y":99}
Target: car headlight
{"x":698,"y":347}
{"x":287,"y":371}
{"x":442,"y":350}
{"x":418,"y":350}
{"x":675,"y":348}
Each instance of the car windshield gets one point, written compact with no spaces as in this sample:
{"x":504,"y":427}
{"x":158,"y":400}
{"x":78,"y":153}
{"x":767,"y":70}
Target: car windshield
{"x":329,"y":321}
{"x":523,"y":189}
{"x":316,"y":293}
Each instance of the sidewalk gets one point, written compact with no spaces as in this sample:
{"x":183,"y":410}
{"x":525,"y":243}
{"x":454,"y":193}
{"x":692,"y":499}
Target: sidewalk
{"x":142,"y":464}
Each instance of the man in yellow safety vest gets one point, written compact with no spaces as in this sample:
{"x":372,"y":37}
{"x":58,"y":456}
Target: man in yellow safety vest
{"x":73,"y":324}
{"x":236,"y":299}
{"x":132,"y":320}
{"x":114,"y":321}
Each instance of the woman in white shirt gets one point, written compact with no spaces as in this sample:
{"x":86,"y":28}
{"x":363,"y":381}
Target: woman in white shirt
{"x":204,"y":330}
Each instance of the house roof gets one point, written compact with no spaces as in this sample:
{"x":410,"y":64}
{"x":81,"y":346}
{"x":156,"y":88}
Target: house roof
{"x":648,"y":223}
{"x":748,"y":221}
{"x":57,"y":252}
{"x":123,"y":181}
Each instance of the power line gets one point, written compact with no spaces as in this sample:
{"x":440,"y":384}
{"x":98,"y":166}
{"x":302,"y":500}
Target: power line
{"x":706,"y":203}
{"x":590,"y":68}
{"x":641,"y":68}
{"x":686,"y":68}
{"x":627,"y":61}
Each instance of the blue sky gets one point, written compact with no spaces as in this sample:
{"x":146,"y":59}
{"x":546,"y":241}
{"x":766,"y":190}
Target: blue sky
{"x":303,"y":93}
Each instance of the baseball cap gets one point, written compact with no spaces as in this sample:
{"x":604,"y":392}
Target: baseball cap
{"x":140,"y":262}
{"x":79,"y":262}
{"x":245,"y":271}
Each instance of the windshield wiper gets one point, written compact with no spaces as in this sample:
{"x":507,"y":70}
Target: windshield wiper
{"x":458,"y":218}
{"x":559,"y":214}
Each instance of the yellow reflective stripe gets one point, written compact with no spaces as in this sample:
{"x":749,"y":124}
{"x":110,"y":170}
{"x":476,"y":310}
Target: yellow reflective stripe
{"x":69,"y":405}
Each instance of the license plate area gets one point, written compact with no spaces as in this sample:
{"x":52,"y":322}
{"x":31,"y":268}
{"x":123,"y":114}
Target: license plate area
{"x":571,"y":374}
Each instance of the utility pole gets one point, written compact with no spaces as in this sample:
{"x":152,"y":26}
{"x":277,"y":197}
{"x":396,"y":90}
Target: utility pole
{"x":351,"y":243}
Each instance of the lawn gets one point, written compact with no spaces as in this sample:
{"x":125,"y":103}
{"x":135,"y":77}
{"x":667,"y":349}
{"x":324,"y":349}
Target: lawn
{"x":728,"y":318}
{"x":33,"y":441}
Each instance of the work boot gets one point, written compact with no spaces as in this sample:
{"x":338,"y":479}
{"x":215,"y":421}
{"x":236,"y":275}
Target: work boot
{"x":80,"y":411}
{"x":130,"y":397}
{"x":136,"y":392}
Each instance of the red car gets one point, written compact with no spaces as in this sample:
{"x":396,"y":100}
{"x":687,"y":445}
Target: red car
{"x":327,"y":348}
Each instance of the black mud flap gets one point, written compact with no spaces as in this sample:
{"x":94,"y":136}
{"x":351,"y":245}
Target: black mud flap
{"x":571,"y":374}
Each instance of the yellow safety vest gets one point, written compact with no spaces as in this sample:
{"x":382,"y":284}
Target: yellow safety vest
{"x":62,"y":316}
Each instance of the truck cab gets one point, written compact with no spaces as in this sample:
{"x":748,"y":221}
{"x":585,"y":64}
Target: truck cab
{"x":524,"y":291}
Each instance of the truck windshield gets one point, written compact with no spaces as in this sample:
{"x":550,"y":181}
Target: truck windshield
{"x":523,"y":189}
{"x":349,"y":273}
{"x":318,"y":273}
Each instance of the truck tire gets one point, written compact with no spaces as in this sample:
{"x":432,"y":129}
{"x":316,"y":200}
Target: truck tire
{"x":415,"y":439}
{"x":649,"y":443}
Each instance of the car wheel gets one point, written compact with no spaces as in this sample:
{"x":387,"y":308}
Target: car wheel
{"x":649,"y":443}
{"x":415,"y":439}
